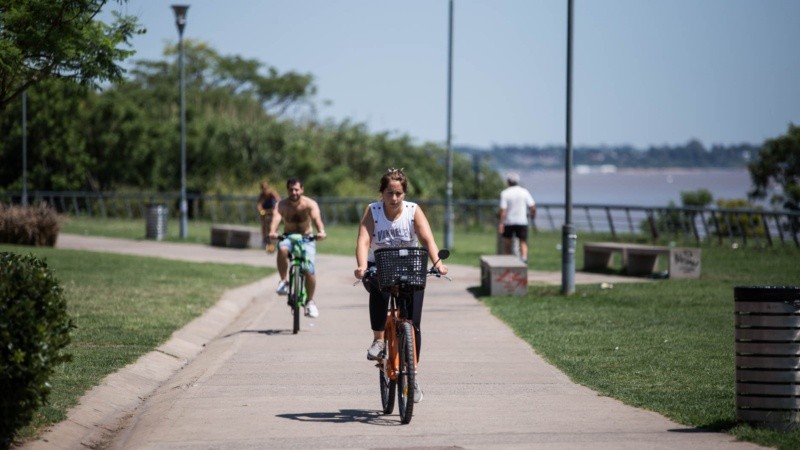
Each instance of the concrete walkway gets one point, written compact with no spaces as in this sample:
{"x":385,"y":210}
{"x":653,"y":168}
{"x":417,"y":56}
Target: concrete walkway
{"x":237,"y":378}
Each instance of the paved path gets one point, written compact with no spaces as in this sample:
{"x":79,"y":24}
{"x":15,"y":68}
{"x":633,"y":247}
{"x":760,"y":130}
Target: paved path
{"x":237,"y":378}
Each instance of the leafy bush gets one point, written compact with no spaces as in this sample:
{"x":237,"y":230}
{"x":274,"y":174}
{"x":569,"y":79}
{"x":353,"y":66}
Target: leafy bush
{"x":739,"y":224}
{"x":34,"y":330}
{"x":669,"y":221}
{"x":29,"y":225}
{"x":700,"y":198}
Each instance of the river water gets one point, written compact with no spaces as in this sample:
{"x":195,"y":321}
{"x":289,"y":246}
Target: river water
{"x":639,"y":187}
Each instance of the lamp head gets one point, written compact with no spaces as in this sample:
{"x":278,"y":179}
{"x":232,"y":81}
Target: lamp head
{"x":180,"y":16}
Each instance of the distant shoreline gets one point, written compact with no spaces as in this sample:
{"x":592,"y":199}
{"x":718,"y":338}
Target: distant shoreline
{"x":595,"y":170}
{"x":636,"y":186}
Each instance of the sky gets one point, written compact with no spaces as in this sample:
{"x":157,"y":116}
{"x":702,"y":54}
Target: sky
{"x":645,"y":72}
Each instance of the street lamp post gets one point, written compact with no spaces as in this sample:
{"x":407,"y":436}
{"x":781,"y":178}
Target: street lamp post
{"x":180,"y":22}
{"x":568,"y":237}
{"x":448,"y":213}
{"x":24,"y":148}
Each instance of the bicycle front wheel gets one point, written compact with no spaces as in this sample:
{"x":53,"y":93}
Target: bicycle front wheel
{"x":405,"y":378}
{"x":295,"y":293}
{"x":388,"y":388}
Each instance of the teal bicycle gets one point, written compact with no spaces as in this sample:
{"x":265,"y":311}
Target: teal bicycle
{"x":298,"y":267}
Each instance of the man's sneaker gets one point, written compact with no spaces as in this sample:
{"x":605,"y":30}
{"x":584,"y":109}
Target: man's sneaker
{"x":283,"y":288}
{"x":375,"y":351}
{"x":311,"y":309}
{"x":417,"y":392}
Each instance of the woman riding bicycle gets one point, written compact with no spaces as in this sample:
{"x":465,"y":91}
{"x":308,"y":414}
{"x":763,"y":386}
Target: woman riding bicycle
{"x":392,"y":222}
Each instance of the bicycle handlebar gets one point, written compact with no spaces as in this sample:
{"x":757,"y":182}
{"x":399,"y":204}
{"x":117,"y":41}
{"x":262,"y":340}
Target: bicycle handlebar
{"x":433,"y":271}
{"x":306,"y":237}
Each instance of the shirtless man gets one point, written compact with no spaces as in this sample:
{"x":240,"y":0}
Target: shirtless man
{"x":297,"y":212}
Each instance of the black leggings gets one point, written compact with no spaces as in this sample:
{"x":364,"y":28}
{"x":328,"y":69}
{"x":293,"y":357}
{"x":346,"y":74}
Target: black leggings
{"x":379,"y":306}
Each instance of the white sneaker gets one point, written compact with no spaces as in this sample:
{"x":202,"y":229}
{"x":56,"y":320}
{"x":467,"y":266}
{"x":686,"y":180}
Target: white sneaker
{"x":283,"y":288}
{"x":417,"y":391}
{"x":311,"y":309}
{"x":375,"y":351}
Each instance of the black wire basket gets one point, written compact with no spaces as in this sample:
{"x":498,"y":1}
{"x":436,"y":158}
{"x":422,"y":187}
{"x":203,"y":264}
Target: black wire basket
{"x":407,"y":266}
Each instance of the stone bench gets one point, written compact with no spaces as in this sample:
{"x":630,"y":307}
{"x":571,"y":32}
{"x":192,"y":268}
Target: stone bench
{"x":235,"y":236}
{"x":504,"y":275}
{"x":642,"y":260}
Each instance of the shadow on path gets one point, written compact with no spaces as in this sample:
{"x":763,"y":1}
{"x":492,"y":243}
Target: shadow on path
{"x":267,"y":332}
{"x":346,"y":416}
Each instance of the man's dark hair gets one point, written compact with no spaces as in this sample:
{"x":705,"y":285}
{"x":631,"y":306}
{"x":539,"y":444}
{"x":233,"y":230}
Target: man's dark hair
{"x":292,"y":181}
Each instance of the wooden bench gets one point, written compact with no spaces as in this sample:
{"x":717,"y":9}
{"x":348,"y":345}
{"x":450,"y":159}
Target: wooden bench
{"x":639,"y":259}
{"x":504,"y":275}
{"x":235,"y":236}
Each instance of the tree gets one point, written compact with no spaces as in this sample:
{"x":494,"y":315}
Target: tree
{"x":245,"y":122}
{"x":778,"y":166}
{"x":700,"y":198}
{"x":42,"y":39}
{"x":57,"y":158}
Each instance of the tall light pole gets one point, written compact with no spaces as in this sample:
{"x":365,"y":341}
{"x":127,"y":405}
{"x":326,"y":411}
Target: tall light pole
{"x":448,"y":213}
{"x":568,"y":237}
{"x":180,"y":21}
{"x":24,"y":148}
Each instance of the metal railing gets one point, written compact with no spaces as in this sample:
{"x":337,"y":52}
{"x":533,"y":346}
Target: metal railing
{"x":679,"y":224}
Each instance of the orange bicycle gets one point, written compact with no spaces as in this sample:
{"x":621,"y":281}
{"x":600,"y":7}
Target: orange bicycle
{"x":400,"y":271}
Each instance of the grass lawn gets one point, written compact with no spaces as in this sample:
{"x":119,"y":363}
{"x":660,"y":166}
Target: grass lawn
{"x":124,"y":307}
{"x":470,"y":244}
{"x":666,"y":346}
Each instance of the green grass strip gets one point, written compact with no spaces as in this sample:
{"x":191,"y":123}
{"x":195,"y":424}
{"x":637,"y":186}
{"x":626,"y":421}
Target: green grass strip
{"x":124,"y":307}
{"x":666,"y":346}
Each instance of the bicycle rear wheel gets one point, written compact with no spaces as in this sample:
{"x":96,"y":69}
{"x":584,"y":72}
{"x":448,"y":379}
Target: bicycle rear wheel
{"x":295,"y":292}
{"x":388,"y":388}
{"x":405,"y":377}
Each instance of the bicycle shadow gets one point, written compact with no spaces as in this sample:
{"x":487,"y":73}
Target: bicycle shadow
{"x":267,"y":332}
{"x":345,"y":416}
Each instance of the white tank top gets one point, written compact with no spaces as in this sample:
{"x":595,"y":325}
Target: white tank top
{"x":386,"y":233}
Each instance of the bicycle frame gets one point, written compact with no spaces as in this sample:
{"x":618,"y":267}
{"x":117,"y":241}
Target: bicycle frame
{"x":395,"y":317}
{"x":297,"y":278}
{"x":401,"y":272}
{"x":298,"y":295}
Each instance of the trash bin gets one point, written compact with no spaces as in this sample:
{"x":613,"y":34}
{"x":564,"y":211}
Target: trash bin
{"x":768,"y":356}
{"x":156,"y":227}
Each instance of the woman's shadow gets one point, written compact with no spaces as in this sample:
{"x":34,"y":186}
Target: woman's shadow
{"x":344,"y":416}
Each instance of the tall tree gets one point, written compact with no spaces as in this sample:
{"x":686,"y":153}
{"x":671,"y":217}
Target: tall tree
{"x":42,"y":39}
{"x":778,"y":166}
{"x":57,"y":158}
{"x":242,"y":126}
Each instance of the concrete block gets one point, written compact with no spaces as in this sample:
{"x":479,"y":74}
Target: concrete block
{"x":504,"y":275}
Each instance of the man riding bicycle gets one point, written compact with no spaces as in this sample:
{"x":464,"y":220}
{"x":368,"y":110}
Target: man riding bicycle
{"x":297,"y":212}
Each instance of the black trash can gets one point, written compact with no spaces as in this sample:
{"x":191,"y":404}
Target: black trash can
{"x":768,"y":356}
{"x":156,"y":226}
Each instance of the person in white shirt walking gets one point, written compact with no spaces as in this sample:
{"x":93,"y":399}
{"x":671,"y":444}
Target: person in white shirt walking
{"x":516,"y":206}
